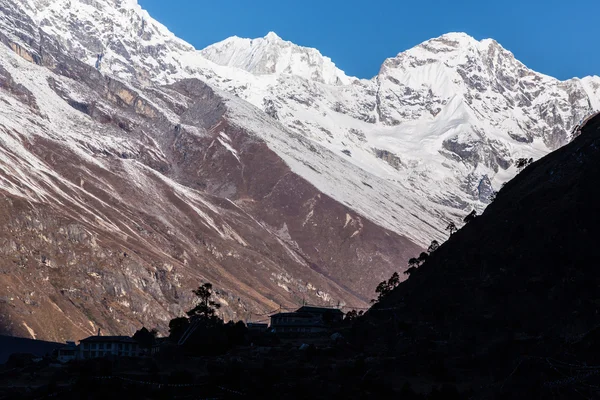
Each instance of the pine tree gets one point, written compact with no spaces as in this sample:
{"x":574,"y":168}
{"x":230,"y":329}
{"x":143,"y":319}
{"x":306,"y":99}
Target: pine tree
{"x":206,"y":308}
{"x":433,"y":246}
{"x":472,"y":215}
{"x":451,"y":228}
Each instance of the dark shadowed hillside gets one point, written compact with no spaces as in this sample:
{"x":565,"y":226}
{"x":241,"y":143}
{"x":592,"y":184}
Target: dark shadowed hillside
{"x":513,"y":298}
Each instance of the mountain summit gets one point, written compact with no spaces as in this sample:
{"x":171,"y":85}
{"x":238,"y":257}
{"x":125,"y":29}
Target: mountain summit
{"x":273,"y":55}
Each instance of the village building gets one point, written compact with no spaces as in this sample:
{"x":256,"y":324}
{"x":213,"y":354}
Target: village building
{"x":306,"y":320}
{"x":102,"y":346}
{"x":328,"y":315}
{"x":257,"y":327}
{"x":68,"y":352}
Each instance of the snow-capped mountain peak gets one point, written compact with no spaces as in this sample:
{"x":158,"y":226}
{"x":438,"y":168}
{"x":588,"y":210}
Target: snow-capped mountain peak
{"x":450,"y":40}
{"x":271,"y":55}
{"x":273,"y":37}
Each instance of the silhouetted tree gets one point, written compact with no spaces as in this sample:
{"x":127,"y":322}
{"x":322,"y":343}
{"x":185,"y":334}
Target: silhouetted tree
{"x":521,"y":163}
{"x":394,"y":280}
{"x":145,"y":337}
{"x":472,"y":215}
{"x":410,"y":270}
{"x":206,"y":333}
{"x":493,"y":196}
{"x":177,"y":328}
{"x":382,"y":289}
{"x":451,"y":228}
{"x":433,"y":246}
{"x":386,"y":287}
{"x":352,"y":315}
{"x":413,"y":262}
{"x":206,"y":308}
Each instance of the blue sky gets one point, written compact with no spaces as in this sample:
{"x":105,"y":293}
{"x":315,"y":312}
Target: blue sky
{"x":558,"y":38}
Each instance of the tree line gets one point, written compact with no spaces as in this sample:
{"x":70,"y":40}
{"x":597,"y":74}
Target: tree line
{"x":386,"y":287}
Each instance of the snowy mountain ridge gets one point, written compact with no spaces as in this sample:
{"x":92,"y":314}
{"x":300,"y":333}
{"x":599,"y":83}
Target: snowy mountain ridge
{"x":273,"y":55}
{"x":427,"y":139}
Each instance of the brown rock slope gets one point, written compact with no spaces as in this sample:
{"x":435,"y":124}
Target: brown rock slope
{"x":116,"y":201}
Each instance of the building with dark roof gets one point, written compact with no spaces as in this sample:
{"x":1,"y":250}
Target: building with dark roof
{"x":68,"y":352}
{"x":257,"y":327}
{"x":328,"y":315}
{"x":306,"y":320}
{"x":102,"y":346}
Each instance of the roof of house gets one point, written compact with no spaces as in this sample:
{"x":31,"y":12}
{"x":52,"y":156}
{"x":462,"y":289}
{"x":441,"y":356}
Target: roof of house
{"x":300,"y":325}
{"x":122,"y":339}
{"x":68,"y":346}
{"x":319,"y":310}
{"x":294,"y":315}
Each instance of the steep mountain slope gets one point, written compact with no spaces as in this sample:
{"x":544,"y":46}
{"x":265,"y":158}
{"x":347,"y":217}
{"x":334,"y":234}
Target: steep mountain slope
{"x":118,"y":200}
{"x":515,"y":292}
{"x":434,"y":133}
